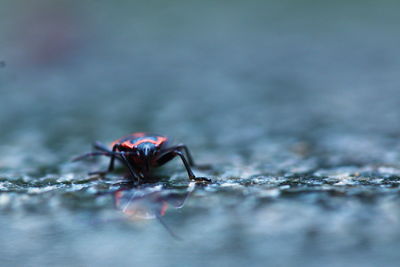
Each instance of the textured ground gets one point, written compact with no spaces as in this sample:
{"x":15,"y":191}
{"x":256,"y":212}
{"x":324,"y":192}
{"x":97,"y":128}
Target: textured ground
{"x":296,"y":105}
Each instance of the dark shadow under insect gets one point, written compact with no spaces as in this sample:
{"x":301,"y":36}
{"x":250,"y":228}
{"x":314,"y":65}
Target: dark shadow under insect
{"x":140,"y":153}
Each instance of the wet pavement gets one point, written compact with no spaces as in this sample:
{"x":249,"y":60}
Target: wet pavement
{"x":295,"y":105}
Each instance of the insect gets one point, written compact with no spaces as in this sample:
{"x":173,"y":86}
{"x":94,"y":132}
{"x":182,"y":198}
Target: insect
{"x":141,"y":152}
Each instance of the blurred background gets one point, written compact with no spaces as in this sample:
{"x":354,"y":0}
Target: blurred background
{"x":295,"y":103}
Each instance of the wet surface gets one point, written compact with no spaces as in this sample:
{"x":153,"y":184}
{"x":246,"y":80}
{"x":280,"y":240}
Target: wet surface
{"x":296,"y":106}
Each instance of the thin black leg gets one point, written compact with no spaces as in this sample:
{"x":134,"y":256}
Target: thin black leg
{"x":113,"y":156}
{"x":188,"y":155}
{"x":99,"y":146}
{"x":182,"y":147}
{"x":132,"y":171}
{"x":164,"y":158}
{"x":111,"y":166}
{"x":185,"y":162}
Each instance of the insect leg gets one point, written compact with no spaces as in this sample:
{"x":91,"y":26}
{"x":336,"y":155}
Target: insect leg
{"x":113,"y":156}
{"x":181,"y":147}
{"x":185,"y":162}
{"x":132,"y":171}
{"x":99,"y":146}
{"x":175,"y":152}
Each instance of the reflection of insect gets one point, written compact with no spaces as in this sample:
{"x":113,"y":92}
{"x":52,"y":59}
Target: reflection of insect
{"x":150,"y":202}
{"x":141,"y":152}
